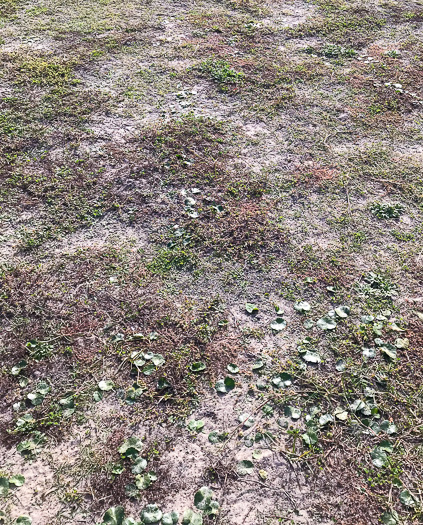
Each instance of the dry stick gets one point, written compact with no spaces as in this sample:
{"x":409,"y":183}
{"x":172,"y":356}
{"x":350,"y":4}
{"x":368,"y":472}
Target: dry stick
{"x":348,"y":200}
{"x":279,"y":489}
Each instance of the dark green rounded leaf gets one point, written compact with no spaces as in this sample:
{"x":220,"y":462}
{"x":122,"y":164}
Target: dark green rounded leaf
{"x":251,"y":308}
{"x":282,"y":380}
{"x":216,"y":437}
{"x":326,"y":323}
{"x":302,"y":307}
{"x":106,"y":385}
{"x":247,"y":420}
{"x":203,"y":497}
{"x":232,"y":368}
{"x":342,"y":311}
{"x":258,"y":364}
{"x":23,"y":520}
{"x":170,"y":518}
{"x":225,"y":385}
{"x":151,"y":514}
{"x":278,"y":324}
{"x":407,"y":499}
{"x":114,"y":516}
{"x":198,"y":366}
{"x":140,"y":464}
{"x":4,"y":486}
{"x":17,"y":480}
{"x":245,"y":467}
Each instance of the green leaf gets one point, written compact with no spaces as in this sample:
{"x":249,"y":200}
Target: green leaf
{"x":282,"y":380}
{"x":18,"y":480}
{"x":106,"y":385}
{"x":302,"y":307}
{"x":225,"y":385}
{"x":251,"y":308}
{"x":16,"y":370}
{"x":278,"y":324}
{"x":340,"y":365}
{"x":26,"y":419}
{"x":97,"y":396}
{"x":195,"y":425}
{"x":325,"y":419}
{"x":341,"y":414}
{"x":310,"y":357}
{"x":131,"y":490}
{"x":389,"y":518}
{"x":310,"y":437}
{"x":232,"y":368}
{"x":407,"y":499}
{"x":342,"y":311}
{"x":140,"y":464}
{"x":133,"y":394}
{"x":357,"y":405}
{"x":170,"y":518}
{"x":4,"y":486}
{"x":326,"y":323}
{"x":368,"y":353}
{"x":247,"y":420}
{"x":131,"y":447}
{"x":191,"y":518}
{"x":388,"y":427}
{"x":43,"y":388}
{"x":143,"y":481}
{"x":258,"y":364}
{"x":257,"y":454}
{"x":389,"y":351}
{"x":379,"y":457}
{"x":216,"y":437}
{"x":131,"y":521}
{"x":292,"y":412}
{"x":30,"y":446}
{"x":117,"y":338}
{"x":203,"y":497}
{"x":245,"y":467}
{"x":308,"y":324}
{"x":267,"y":410}
{"x":212,"y":509}
{"x":67,"y":402}
{"x":151,"y":514}
{"x":36,"y":398}
{"x":395,"y":328}
{"x":117,"y":469}
{"x":149,"y":369}
{"x":114,"y":516}
{"x":163,"y":383}
{"x":158,"y":359}
{"x":23,"y":520}
{"x":137,"y":359}
{"x":198,"y":366}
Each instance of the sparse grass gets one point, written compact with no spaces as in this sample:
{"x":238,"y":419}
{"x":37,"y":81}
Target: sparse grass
{"x":164,"y":169}
{"x":220,"y":71}
{"x":343,"y":23}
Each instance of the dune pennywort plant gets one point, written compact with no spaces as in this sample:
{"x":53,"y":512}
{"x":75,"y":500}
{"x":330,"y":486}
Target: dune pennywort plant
{"x":387,"y":211}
